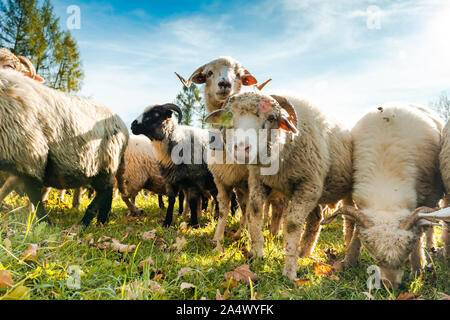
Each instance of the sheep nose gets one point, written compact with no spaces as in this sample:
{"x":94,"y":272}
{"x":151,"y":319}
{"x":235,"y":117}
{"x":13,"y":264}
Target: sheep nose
{"x":134,"y":124}
{"x":224,"y":85}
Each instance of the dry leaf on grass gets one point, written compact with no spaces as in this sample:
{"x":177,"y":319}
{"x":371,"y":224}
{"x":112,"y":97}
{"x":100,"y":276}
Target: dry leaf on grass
{"x":243,"y":274}
{"x":409,"y":296}
{"x":322,"y":269}
{"x":229,"y":283}
{"x":31,"y":253}
{"x":225,"y":295}
{"x":186,"y":285}
{"x":149,"y":235}
{"x":146,"y":262}
{"x":180,"y":243}
{"x":301,"y":282}
{"x":184,"y":270}
{"x":122,"y":248}
{"x":114,"y":244}
{"x":5,"y":279}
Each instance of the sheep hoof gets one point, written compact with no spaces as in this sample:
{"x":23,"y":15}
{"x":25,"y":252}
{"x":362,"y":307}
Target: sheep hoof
{"x":219,"y":248}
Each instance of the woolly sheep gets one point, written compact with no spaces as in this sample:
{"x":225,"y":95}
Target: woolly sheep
{"x":395,"y":161}
{"x":52,"y":139}
{"x":314,"y":165}
{"x":224,"y":77}
{"x":167,"y":136}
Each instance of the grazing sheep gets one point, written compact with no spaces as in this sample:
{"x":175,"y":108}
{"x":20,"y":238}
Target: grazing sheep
{"x":188,"y":172}
{"x":52,"y":139}
{"x":395,"y":161}
{"x":224,"y":77}
{"x":313,"y":156}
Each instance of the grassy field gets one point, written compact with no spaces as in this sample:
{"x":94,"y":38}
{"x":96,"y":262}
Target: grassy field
{"x":181,"y":257}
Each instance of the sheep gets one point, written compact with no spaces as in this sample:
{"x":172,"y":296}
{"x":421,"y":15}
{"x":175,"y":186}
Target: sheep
{"x":443,"y":215}
{"x":313,"y":157}
{"x":189,"y":173}
{"x":224,"y":77}
{"x":396,"y":176}
{"x":52,"y":139}
{"x":8,"y":60}
{"x":141,"y":172}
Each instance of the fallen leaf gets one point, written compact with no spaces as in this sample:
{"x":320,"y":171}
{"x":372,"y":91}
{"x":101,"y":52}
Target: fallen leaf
{"x":149,"y":235}
{"x":184,"y":270}
{"x":122,"y":248}
{"x":322,"y":269}
{"x":155,"y":287}
{"x":30,"y":253}
{"x":229,"y":283}
{"x":180,"y":243}
{"x":242,"y":273}
{"x":408,"y":296}
{"x":161,"y":243}
{"x":146,"y":262}
{"x":5,"y":279}
{"x":301,"y":282}
{"x":186,"y":285}
{"x":225,"y":295}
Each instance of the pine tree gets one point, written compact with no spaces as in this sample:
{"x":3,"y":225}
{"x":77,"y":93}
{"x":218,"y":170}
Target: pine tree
{"x":442,"y":106}
{"x":34,"y":32}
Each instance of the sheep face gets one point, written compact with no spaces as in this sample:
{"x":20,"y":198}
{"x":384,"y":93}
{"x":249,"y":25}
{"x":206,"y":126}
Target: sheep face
{"x":250,"y":116}
{"x":156,"y":121}
{"x":223,"y":78}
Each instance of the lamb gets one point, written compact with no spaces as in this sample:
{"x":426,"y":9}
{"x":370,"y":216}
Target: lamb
{"x":179,"y":150}
{"x":224,"y":77}
{"x":312,"y":154}
{"x":52,"y":139}
{"x":396,"y":176}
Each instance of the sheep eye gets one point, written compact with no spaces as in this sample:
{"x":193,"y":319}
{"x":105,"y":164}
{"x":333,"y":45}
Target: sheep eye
{"x":271,"y":118}
{"x":156,"y":115}
{"x":210,"y":73}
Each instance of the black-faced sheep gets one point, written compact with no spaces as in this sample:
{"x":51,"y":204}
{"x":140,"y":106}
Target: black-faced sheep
{"x":179,"y":150}
{"x":308,"y":161}
{"x":52,"y":139}
{"x":395,"y":162}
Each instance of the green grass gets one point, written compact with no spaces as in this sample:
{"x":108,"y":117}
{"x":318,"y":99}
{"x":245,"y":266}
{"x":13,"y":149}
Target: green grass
{"x":107,"y":274}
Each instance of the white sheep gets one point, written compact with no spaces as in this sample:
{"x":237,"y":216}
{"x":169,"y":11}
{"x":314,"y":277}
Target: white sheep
{"x":52,"y":139}
{"x":224,"y":77}
{"x":314,"y":164}
{"x":395,"y":162}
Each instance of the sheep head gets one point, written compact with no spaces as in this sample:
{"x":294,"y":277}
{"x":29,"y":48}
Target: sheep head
{"x":389,"y":242}
{"x":156,"y":120}
{"x":250,"y":115}
{"x":8,"y":60}
{"x":223,"y":78}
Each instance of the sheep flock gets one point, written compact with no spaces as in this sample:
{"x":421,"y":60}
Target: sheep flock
{"x":277,"y":158}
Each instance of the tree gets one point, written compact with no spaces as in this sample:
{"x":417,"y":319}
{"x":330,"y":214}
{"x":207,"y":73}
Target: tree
{"x":33,"y":31}
{"x":442,"y":106}
{"x":191,"y":103}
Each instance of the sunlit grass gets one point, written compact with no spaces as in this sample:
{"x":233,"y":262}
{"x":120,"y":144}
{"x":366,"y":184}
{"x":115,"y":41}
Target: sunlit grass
{"x":107,"y":274}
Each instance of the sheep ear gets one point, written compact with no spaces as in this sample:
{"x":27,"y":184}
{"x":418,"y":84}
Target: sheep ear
{"x":289,"y":108}
{"x":286,"y":124}
{"x":197,"y":77}
{"x":247,"y":79}
{"x":39,"y":79}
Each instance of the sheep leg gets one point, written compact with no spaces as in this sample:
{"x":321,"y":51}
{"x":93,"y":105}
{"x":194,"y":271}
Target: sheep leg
{"x":303,"y":202}
{"x":195,"y":206}
{"x":129,"y":201}
{"x":224,"y":196}
{"x":161,"y":202}
{"x":172,"y":192}
{"x":187,"y":208}
{"x":61,"y":195}
{"x":417,"y":257}
{"x":311,"y":234}
{"x":446,"y":239}
{"x":8,"y":187}
{"x":353,"y":250}
{"x":266,"y":210}
{"x":257,"y":196}
{"x":242,"y":198}
{"x":103,"y":204}
{"x":278,"y":207}
{"x":234,"y":204}
{"x":34,"y":191}
{"x":429,"y":234}
{"x":76,"y":198}
{"x":349,"y":227}
{"x":181,"y":202}
{"x":205,"y":202}
{"x":45,"y":193}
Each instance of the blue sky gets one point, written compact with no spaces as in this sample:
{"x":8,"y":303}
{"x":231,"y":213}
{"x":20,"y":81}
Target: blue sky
{"x":346,"y":55}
